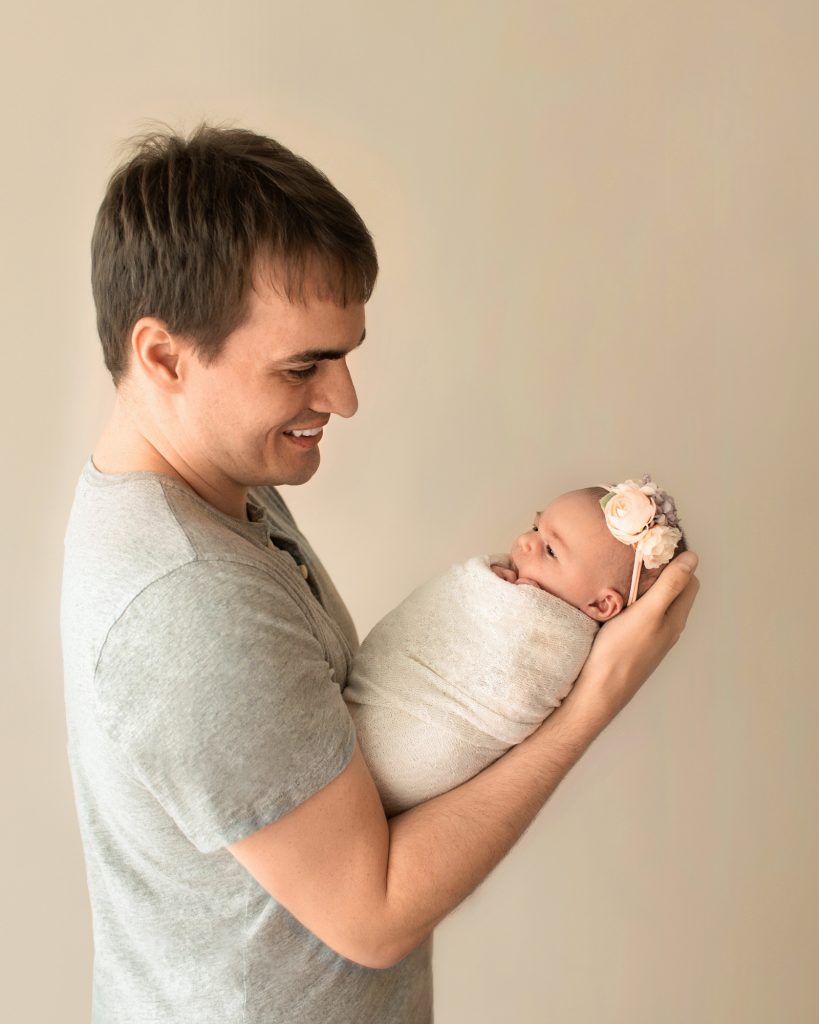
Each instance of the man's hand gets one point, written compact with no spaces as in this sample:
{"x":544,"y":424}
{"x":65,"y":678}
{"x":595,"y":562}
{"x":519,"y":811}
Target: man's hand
{"x":630,"y":646}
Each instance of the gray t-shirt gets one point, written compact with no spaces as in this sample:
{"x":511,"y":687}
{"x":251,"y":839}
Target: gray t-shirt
{"x":203,"y":678}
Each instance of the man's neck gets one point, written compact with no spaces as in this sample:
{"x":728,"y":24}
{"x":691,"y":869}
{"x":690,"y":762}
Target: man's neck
{"x":123,"y":448}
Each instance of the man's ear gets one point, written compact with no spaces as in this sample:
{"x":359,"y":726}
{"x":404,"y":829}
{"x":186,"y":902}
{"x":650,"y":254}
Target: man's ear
{"x":606,"y":605}
{"x":156,"y":352}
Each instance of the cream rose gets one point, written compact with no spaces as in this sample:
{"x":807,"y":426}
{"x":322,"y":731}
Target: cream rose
{"x":657,"y":546}
{"x":649,"y":487}
{"x":628,"y":513}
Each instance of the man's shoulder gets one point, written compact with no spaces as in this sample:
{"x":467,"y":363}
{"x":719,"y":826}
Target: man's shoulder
{"x":144,"y":538}
{"x":151,"y":520}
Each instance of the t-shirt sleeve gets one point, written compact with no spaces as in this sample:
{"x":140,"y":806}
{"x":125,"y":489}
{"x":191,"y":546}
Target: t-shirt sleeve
{"x":221,"y":700}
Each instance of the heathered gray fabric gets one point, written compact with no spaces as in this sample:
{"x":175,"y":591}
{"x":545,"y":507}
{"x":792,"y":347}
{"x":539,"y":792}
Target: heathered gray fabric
{"x":203,"y":679}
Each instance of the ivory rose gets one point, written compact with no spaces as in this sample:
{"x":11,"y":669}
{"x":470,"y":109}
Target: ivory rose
{"x":646,"y":485}
{"x":628,"y":513}
{"x":657,"y":546}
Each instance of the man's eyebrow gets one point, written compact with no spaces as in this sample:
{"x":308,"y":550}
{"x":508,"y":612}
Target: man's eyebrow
{"x":314,"y":355}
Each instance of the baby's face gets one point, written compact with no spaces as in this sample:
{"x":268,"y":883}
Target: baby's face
{"x":568,"y":552}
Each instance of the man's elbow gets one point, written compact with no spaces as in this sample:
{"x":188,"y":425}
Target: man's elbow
{"x":379,"y":952}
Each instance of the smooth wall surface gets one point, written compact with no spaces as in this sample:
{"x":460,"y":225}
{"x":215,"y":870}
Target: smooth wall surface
{"x":597,"y":224}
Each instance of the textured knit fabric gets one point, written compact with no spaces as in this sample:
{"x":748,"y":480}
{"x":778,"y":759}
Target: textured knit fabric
{"x":203,"y":678}
{"x":466,"y":667}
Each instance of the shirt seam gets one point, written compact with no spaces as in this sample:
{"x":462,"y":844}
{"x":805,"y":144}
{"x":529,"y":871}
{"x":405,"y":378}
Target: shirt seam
{"x":166,"y":483}
{"x":197,"y":559}
{"x":270,"y":813}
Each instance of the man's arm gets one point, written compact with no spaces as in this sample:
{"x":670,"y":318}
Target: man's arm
{"x":373,"y":889}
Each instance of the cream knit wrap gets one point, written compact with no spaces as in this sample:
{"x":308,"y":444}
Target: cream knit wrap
{"x":463,"y":669}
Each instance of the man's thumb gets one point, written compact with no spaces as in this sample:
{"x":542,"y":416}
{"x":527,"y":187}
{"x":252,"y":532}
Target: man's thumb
{"x":687,"y":561}
{"x":673,"y":579}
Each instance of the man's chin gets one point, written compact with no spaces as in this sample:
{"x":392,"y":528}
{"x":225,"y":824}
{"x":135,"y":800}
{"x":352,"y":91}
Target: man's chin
{"x":294,"y":475}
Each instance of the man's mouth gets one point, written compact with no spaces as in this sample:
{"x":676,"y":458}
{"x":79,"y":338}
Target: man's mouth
{"x":305,"y":437}
{"x":307,"y":432}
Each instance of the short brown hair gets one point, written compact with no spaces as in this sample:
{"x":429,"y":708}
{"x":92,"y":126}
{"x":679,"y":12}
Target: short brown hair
{"x":185,"y":223}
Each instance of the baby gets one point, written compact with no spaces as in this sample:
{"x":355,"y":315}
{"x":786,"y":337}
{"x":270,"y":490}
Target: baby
{"x":572,"y":552}
{"x":474,"y":660}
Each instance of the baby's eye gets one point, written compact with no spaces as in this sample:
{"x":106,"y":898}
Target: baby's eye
{"x":550,"y":552}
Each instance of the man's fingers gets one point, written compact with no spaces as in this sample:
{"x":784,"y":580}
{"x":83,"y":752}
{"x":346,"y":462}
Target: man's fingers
{"x":676,"y":589}
{"x":687,"y":561}
{"x":677,"y":613}
{"x":672,"y":583}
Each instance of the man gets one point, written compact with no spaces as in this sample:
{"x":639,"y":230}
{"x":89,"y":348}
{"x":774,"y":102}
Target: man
{"x":240,"y":866}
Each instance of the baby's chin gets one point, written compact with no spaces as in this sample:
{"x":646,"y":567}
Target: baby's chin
{"x":505,"y":568}
{"x":562,"y":597}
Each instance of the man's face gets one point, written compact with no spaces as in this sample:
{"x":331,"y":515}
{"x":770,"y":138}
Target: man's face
{"x":284,"y":369}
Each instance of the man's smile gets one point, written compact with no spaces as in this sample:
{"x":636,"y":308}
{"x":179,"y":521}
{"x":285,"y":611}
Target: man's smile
{"x":307,"y":436}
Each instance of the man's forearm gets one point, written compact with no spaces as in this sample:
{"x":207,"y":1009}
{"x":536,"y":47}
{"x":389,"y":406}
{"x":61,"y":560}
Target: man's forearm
{"x":441,"y":850}
{"x":372,"y":890}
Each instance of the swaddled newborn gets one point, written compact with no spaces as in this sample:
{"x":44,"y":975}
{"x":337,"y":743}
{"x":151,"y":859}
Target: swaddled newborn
{"x":474,"y":660}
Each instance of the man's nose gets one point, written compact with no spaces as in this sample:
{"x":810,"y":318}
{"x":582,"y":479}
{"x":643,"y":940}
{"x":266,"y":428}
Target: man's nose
{"x":336,"y":392}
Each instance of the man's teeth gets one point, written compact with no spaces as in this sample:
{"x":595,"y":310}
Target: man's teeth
{"x":305,"y":433}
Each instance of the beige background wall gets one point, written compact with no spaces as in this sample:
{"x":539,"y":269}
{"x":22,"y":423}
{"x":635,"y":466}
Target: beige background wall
{"x":598,"y":230}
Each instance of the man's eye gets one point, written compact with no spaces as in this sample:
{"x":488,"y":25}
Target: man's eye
{"x":301,"y":374}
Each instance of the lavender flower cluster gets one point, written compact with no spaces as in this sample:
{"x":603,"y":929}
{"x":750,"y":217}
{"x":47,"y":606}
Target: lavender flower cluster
{"x":666,"y":514}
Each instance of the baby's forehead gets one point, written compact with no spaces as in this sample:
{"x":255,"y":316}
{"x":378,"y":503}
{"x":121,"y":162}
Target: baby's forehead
{"x":574,"y":503}
{"x":578,"y":515}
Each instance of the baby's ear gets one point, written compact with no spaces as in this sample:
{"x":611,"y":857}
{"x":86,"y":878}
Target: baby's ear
{"x":606,"y":605}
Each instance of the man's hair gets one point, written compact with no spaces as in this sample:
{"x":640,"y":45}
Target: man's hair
{"x":186,"y":223}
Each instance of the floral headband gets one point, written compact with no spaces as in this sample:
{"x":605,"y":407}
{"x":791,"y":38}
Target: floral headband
{"x":642,"y":515}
